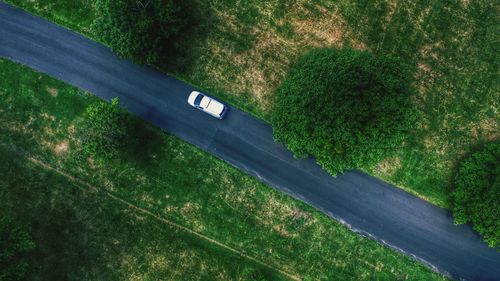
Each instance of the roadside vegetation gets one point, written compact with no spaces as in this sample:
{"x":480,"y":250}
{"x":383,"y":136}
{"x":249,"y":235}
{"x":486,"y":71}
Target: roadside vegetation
{"x":163,"y":209}
{"x":103,"y":130}
{"x":77,"y":15}
{"x":346,"y":108}
{"x":476,"y":194}
{"x":141,"y":30}
{"x":241,"y":52}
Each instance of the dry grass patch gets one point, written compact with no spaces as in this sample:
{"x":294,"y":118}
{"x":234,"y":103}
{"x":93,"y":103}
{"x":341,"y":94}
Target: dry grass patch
{"x":326,"y":30}
{"x":392,"y":8}
{"x":487,"y":129}
{"x":269,"y":46}
{"x":388,"y":166}
{"x":52,"y":91}
{"x":61,"y":148}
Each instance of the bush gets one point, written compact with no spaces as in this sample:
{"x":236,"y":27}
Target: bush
{"x":103,"y":130}
{"x":476,"y":197}
{"x":253,"y":274}
{"x":15,"y":243}
{"x":346,"y":108}
{"x":141,"y":30}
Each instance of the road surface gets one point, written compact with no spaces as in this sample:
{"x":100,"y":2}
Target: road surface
{"x":363,"y":203}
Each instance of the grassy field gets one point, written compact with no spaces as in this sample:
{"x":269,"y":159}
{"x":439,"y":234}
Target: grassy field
{"x":81,"y":233}
{"x":453,"y":46}
{"x":241,"y":50}
{"x":119,"y":216}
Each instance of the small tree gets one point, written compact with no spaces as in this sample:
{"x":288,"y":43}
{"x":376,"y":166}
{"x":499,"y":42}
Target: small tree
{"x":348,"y":109}
{"x":15,"y":243}
{"x":476,"y":197}
{"x":141,"y":30}
{"x":103,"y":130}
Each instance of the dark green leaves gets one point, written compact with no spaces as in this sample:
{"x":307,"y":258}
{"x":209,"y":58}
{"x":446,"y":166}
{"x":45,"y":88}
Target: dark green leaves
{"x":103,"y":131}
{"x":476,"y":197}
{"x":140,"y":30}
{"x":346,"y":108}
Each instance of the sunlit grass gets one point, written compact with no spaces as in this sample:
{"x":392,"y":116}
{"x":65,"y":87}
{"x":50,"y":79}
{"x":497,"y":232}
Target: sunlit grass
{"x":240,"y":51}
{"x":178,"y":182}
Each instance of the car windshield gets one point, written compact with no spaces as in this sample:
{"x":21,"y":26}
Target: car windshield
{"x":198,"y":99}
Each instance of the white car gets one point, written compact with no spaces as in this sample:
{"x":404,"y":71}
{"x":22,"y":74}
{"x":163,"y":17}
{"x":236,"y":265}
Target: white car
{"x":207,"y":104}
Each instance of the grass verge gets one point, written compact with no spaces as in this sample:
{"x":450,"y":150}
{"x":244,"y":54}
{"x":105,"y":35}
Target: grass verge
{"x":82,"y":232}
{"x":240,"y":51}
{"x":176,"y":182}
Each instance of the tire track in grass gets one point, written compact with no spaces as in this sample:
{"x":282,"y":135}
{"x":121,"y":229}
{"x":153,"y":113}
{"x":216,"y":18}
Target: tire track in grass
{"x":81,"y":182}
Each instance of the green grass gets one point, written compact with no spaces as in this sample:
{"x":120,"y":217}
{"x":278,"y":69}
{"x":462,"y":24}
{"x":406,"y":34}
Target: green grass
{"x":176,"y":182}
{"x":240,"y":51}
{"x":75,"y":14}
{"x":453,"y":46}
{"x":81,"y":233}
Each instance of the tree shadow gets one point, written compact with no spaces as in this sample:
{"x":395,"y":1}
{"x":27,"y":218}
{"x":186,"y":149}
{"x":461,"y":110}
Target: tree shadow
{"x":143,"y":143}
{"x":179,"y":58}
{"x":56,"y":217}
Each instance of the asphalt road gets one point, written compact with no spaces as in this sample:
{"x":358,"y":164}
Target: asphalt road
{"x":363,"y":203}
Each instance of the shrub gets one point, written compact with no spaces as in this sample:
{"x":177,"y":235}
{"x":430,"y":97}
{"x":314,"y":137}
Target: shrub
{"x":346,"y":108}
{"x":141,"y":30}
{"x":476,"y":195}
{"x":15,"y":243}
{"x":103,"y":130}
{"x":253,"y":274}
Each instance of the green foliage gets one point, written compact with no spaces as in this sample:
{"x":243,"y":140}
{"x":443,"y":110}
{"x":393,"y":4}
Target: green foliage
{"x":86,"y":235}
{"x":142,"y":30}
{"x":459,"y":96}
{"x":346,"y":108}
{"x":75,"y":14}
{"x":103,"y":130}
{"x":476,"y":197}
{"x":15,"y":243}
{"x":253,"y":274}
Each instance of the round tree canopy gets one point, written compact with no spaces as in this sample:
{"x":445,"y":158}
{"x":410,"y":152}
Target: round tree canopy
{"x":346,"y":108}
{"x":476,"y":197}
{"x":139,"y":30}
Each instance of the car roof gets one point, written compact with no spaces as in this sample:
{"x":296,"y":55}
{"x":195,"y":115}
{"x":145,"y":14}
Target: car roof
{"x":205,"y":102}
{"x":215,"y":107}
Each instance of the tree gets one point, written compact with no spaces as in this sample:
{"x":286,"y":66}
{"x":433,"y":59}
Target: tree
{"x":15,"y":244}
{"x":142,"y":30}
{"x":348,"y":109}
{"x":476,"y":194}
{"x":103,"y":130}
